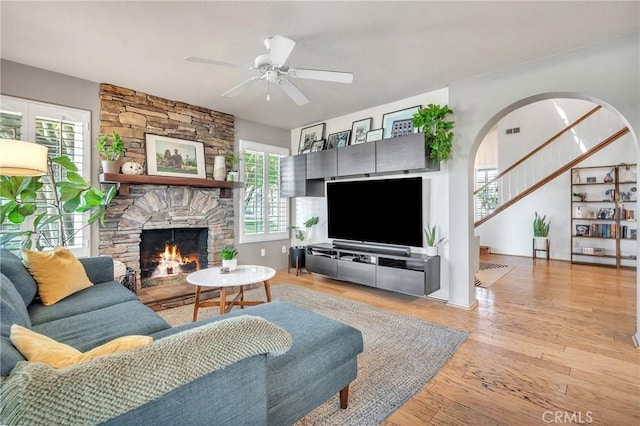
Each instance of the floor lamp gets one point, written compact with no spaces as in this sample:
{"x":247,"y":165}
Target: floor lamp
{"x":19,"y":158}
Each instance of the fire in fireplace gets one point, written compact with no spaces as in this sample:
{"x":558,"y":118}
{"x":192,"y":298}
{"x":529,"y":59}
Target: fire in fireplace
{"x":167,"y":255}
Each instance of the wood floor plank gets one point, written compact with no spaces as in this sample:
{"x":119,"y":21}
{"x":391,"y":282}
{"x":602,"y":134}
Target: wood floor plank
{"x":548,"y":337}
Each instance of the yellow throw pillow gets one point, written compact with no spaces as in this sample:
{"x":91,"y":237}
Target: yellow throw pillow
{"x":39,"y":348}
{"x":58,"y":273}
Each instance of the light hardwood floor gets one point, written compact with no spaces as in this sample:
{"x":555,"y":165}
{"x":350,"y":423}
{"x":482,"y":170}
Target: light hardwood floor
{"x":548,"y":344}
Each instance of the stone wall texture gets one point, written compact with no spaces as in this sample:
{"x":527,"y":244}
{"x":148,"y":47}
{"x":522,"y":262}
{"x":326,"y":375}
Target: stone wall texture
{"x":133,"y":114}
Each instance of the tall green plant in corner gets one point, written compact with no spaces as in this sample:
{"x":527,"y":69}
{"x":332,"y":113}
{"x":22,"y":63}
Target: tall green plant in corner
{"x":72,"y":194}
{"x":432,"y":120}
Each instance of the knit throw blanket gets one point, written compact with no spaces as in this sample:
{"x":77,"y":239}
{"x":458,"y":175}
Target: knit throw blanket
{"x":105,"y":387}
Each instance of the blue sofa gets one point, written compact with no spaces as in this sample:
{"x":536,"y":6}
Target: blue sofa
{"x":261,"y":389}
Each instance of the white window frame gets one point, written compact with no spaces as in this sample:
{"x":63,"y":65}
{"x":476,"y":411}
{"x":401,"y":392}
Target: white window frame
{"x":32,"y":109}
{"x":266,"y":236}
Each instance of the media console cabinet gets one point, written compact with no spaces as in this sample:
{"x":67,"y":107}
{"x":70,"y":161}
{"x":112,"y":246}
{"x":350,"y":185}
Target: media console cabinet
{"x":414,"y":274}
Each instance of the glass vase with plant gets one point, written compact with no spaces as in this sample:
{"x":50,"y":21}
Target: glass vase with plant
{"x":301,"y":234}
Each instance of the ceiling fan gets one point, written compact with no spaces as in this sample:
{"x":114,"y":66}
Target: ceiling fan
{"x":274,"y":69}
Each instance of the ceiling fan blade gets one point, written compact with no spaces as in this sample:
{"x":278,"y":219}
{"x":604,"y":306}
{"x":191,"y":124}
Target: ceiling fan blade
{"x":333,"y":76}
{"x":214,"y":62}
{"x":293,"y":92}
{"x":279,"y":48}
{"x":241,"y":87}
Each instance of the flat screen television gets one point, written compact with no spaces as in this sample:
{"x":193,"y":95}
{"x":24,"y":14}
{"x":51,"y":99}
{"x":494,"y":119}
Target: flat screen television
{"x":387,"y":211}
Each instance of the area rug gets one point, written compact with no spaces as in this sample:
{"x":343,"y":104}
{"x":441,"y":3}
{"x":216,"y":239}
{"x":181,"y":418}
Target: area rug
{"x":490,"y":273}
{"x":401,"y":353}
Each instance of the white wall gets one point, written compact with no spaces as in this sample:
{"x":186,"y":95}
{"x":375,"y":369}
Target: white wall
{"x":605,"y":72}
{"x":436,"y":184}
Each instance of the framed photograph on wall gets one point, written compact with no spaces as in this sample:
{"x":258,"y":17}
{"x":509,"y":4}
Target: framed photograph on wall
{"x":310,"y":134}
{"x":317,"y":145}
{"x":400,"y":122}
{"x":359,"y":130}
{"x":174,"y":157}
{"x":374,"y":135}
{"x":335,"y":140}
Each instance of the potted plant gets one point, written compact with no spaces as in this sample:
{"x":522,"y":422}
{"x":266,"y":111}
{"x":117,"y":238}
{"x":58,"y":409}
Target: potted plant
{"x":432,"y":120}
{"x":111,"y":153}
{"x":228,"y":255}
{"x":72,"y":194}
{"x":297,"y":251}
{"x":540,"y":231}
{"x":232,"y":161}
{"x":432,"y":244}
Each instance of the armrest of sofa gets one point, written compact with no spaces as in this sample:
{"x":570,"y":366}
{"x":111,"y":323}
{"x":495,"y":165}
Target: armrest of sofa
{"x":99,"y":268}
{"x":110,"y":386}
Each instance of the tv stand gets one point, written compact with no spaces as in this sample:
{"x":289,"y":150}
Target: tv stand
{"x":374,"y":266}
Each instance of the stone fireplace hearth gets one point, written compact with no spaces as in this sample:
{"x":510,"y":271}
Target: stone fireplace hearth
{"x":151,"y":207}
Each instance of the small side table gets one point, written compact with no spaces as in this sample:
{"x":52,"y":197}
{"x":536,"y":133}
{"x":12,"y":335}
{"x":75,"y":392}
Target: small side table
{"x":546,"y":249}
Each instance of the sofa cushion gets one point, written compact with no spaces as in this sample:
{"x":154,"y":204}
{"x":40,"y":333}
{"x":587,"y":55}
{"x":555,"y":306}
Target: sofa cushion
{"x":37,"y":347}
{"x":90,"y":329}
{"x":12,"y":311}
{"x":11,"y":266}
{"x":90,"y":299}
{"x":58,"y":273}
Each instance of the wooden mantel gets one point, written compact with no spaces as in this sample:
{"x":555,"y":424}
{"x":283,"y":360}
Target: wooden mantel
{"x":125,"y":181}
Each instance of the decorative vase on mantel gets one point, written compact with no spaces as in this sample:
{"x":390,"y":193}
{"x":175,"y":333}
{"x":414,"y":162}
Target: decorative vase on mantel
{"x":111,"y":166}
{"x":219,"y":168}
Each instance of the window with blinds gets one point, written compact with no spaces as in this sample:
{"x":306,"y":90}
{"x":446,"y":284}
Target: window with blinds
{"x":486,"y":200}
{"x":265,"y":215}
{"x":64,"y":131}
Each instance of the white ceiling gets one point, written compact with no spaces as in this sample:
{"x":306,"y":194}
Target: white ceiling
{"x":395,"y":49}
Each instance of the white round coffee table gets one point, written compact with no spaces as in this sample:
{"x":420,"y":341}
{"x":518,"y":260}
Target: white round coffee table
{"x":242,"y":276}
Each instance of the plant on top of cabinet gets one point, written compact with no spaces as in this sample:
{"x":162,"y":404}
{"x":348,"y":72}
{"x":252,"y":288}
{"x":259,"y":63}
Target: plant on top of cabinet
{"x":432,"y":120}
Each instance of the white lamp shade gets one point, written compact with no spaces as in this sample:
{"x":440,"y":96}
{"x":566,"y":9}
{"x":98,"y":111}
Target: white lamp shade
{"x":19,"y":158}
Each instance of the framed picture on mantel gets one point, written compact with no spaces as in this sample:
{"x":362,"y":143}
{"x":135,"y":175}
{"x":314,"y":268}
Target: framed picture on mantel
{"x":174,"y":157}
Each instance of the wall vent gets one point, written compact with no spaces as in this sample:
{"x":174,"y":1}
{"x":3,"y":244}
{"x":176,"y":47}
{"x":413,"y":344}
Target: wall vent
{"x":513,"y":130}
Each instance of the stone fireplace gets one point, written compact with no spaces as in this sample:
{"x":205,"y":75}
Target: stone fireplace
{"x":169,"y":207}
{"x":194,"y":212}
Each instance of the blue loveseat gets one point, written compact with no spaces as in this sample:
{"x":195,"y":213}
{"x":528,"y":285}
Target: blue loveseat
{"x":277,"y":384}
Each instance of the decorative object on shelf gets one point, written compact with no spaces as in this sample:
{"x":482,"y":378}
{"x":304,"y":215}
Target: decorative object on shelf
{"x":389,"y":118}
{"x":318,"y":145}
{"x":579,"y":196}
{"x":20,"y":185}
{"x":111,"y":153}
{"x":582,"y":230}
{"x":308,"y":135}
{"x":335,"y":140}
{"x":359,"y":130}
{"x":592,"y":179}
{"x":132,"y":168}
{"x":575,"y":176}
{"x":297,"y":252}
{"x":577,"y":212}
{"x":232,"y":160}
{"x":432,"y":244}
{"x":374,"y":135}
{"x":175,"y":157}
{"x":438,"y":136}
{"x":608,"y":178}
{"x":228,"y":255}
{"x":219,"y":168}
{"x":627,"y":174}
{"x":611,"y":195}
